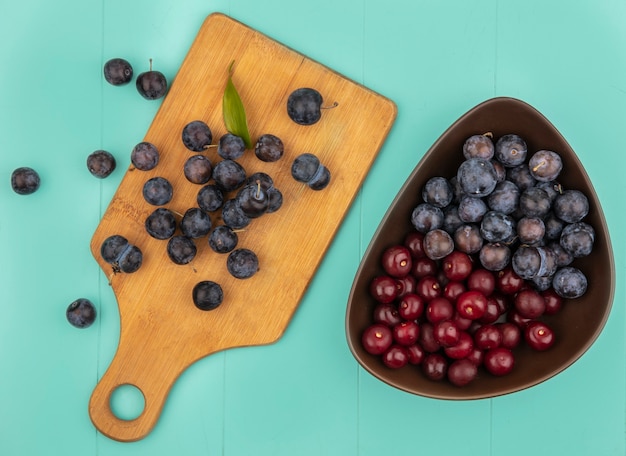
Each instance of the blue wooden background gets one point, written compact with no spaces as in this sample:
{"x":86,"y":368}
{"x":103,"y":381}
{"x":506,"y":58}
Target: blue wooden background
{"x":304,"y":395}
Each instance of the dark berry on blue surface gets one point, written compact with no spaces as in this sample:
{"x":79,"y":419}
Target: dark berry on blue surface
{"x":438,"y":192}
{"x":242,"y":263}
{"x":195,"y":223}
{"x":197,"y":136}
{"x":304,"y":167}
{"x":497,"y":227}
{"x":210,"y":198}
{"x":545,"y":165}
{"x":511,"y":150}
{"x":161,"y":223}
{"x":198,"y":169}
{"x":320,"y":179}
{"x":25,"y":180}
{"x":181,"y":249}
{"x":233,"y":216}
{"x":426,"y":217}
{"x":569,"y":282}
{"x":101,"y":163}
{"x":571,"y":206}
{"x":480,"y":146}
{"x":577,"y":239}
{"x":223,"y":239}
{"x":151,"y":84}
{"x":472,"y":209}
{"x":81,"y":313}
{"x":144,"y":156}
{"x":158,"y":191}
{"x":477,"y":177}
{"x":207,"y":295}
{"x":231,"y":146}
{"x":304,"y":106}
{"x":229,"y":175}
{"x":118,"y":71}
{"x":504,"y":198}
{"x":269,"y":148}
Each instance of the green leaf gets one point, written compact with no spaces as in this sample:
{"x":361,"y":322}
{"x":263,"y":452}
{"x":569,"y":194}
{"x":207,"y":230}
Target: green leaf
{"x":233,"y":111}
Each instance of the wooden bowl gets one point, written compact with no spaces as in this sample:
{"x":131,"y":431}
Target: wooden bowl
{"x":576,"y":326}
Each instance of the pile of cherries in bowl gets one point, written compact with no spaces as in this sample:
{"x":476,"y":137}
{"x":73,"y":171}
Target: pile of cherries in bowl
{"x":488,"y":264}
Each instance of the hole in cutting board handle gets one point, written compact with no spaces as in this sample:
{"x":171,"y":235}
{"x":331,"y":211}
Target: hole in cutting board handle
{"x":127,"y":402}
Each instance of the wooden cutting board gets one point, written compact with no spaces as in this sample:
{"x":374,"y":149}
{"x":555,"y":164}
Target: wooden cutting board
{"x":162,"y":332}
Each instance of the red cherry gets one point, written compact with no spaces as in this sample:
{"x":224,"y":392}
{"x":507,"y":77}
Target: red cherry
{"x":462,"y":322}
{"x":411,"y":306}
{"x":387,"y":313}
{"x":397,"y":261}
{"x":384,"y":288}
{"x":453,"y":289}
{"x":472,"y":304}
{"x":439,"y":309}
{"x":492,"y":312}
{"x":529,"y":303}
{"x":499,"y":361}
{"x":539,"y":336}
{"x":476,"y":356}
{"x":377,"y":338}
{"x":416,"y":353}
{"x":457,"y":265}
{"x":406,"y":332}
{"x":396,"y":357}
{"x":511,"y":334}
{"x":423,"y":267}
{"x":462,"y":348}
{"x":487,"y":337}
{"x":461,"y":372}
{"x":435,"y":366}
{"x":413,"y":241}
{"x":406,"y":285}
{"x":513,"y":316}
{"x":446,"y":333}
{"x":481,"y":280}
{"x":553,"y":301}
{"x":428,"y":288}
{"x":508,"y":282}
{"x":427,"y":338}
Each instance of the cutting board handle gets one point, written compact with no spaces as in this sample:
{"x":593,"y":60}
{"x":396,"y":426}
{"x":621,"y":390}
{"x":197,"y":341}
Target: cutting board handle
{"x":143,"y":377}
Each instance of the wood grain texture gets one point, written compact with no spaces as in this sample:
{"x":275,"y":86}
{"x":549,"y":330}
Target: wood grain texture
{"x":162,"y":332}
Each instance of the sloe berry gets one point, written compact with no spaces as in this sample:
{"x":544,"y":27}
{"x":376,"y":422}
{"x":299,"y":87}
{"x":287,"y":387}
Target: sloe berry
{"x":231,"y":146}
{"x":81,"y":313}
{"x":195,"y":223}
{"x":25,"y":181}
{"x":118,"y":71}
{"x":269,"y":148}
{"x":101,"y":163}
{"x":207,"y":295}
{"x":144,"y":156}
{"x":161,"y":223}
{"x":197,"y":136}
{"x":242,"y":263}
{"x":158,"y":191}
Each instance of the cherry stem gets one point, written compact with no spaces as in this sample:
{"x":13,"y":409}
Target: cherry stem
{"x":150,"y":64}
{"x":334,"y":105}
{"x":258,"y":188}
{"x":539,"y":165}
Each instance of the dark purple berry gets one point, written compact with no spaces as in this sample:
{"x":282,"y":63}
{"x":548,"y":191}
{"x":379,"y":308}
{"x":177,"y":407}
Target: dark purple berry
{"x":304,"y":106}
{"x":151,"y":84}
{"x":81,"y":313}
{"x":198,"y":169}
{"x":144,"y":156}
{"x":242,"y":263}
{"x":207,"y":295}
{"x":197,"y":136}
{"x":195,"y":223}
{"x":223,"y":239}
{"x":161,"y":223}
{"x":231,"y":146}
{"x":158,"y":191}
{"x":210,"y":198}
{"x":229,"y":175}
{"x":118,"y":71}
{"x":181,"y":249}
{"x":511,"y":150}
{"x":101,"y":163}
{"x":25,"y":181}
{"x":269,"y":148}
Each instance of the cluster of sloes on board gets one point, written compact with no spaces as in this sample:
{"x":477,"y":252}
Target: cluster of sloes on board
{"x":228,"y":199}
{"x":491,"y":254}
